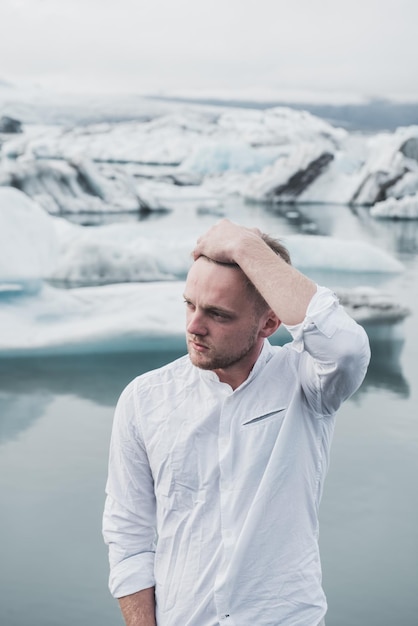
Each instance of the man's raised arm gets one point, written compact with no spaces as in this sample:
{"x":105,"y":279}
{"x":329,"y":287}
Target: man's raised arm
{"x":285,"y":289}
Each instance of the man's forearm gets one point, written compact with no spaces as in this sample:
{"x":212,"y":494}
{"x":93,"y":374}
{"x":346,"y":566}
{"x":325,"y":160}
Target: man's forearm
{"x":285,"y":289}
{"x":138,"y":609}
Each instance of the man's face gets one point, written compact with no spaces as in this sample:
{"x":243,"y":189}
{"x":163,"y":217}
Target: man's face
{"x":223,"y":327}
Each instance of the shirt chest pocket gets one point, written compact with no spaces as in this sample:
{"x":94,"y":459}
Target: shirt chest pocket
{"x":265,"y":417}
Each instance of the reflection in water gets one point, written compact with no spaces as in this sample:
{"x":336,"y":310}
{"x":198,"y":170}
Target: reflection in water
{"x":297,"y":218}
{"x":28,"y":385}
{"x":406,"y":236}
{"x":99,"y":378}
{"x":402,"y":235}
{"x":19,"y":411}
{"x":385,"y":371}
{"x":100,"y":219}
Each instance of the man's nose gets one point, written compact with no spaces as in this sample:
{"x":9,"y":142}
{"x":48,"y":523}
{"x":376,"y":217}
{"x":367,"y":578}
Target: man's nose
{"x":195,"y":324}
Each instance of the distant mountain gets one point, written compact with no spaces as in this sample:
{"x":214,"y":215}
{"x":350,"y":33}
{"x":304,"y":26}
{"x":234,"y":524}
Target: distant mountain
{"x":32,"y":104}
{"x":372,"y":116}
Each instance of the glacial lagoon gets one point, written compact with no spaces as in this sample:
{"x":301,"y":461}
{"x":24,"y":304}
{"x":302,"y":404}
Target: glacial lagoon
{"x":56,"y":414}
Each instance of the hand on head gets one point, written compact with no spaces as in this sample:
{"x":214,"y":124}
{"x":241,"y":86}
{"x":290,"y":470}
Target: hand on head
{"x":222,"y":240}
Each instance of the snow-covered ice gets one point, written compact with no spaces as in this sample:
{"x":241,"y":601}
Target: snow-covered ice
{"x":276,"y":155}
{"x":28,"y":246}
{"x":139,"y":316}
{"x":186,"y":160}
{"x":337,"y":255}
{"x":403,"y":209}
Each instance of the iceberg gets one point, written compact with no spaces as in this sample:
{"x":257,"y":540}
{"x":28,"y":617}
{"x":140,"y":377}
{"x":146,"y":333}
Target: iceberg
{"x":371,"y":306}
{"x":28,"y":246}
{"x":37,"y":249}
{"x":126,"y":252}
{"x":314,"y":252}
{"x":38,"y":246}
{"x":216,"y":157}
{"x":403,"y":209}
{"x":133,"y":317}
{"x":123,"y":280}
{"x":290,"y":175}
{"x":274,"y":156}
{"x":62,"y":187}
{"x":119,"y":318}
{"x":117,"y":253}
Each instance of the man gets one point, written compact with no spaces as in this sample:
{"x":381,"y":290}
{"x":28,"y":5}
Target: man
{"x":218,"y":459}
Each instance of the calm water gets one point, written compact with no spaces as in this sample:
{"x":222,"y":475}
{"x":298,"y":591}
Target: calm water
{"x":55,"y":420}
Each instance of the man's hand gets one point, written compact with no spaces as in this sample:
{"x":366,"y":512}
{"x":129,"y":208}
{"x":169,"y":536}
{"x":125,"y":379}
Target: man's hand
{"x":286,"y":291}
{"x":223,"y":241}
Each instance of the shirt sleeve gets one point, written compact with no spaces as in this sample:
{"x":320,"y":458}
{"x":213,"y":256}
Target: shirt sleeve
{"x":335,"y":352}
{"x":129,"y":515}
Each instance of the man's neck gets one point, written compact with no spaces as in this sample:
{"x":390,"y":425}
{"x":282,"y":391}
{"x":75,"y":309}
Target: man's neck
{"x":235,"y":375}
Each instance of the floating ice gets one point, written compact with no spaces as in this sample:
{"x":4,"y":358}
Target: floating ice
{"x":370,"y":306}
{"x":217,"y":157}
{"x":27,"y":242}
{"x":118,"y":253}
{"x":95,"y":319}
{"x":402,"y":209}
{"x":125,"y":317}
{"x":74,"y":187}
{"x":291,"y":174}
{"x":275,"y":155}
{"x":332,"y":254}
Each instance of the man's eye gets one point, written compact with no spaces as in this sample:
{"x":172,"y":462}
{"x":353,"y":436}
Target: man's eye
{"x":219,"y":316}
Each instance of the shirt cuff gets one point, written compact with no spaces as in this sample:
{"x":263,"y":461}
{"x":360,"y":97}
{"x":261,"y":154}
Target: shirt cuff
{"x":132,"y":575}
{"x":318,"y":315}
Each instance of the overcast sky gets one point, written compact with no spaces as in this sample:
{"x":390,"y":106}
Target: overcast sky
{"x":366,"y":47}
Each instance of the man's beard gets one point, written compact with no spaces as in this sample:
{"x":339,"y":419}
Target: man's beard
{"x":223,"y":361}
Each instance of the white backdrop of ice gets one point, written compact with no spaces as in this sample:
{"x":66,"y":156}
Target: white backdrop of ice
{"x":224,"y":150}
{"x":237,"y":156}
{"x":402,"y":209}
{"x":36,"y":245}
{"x":332,"y":254}
{"x":140,"y":316}
{"x":241,"y":151}
{"x":95,"y":319}
{"x":118,"y":253}
{"x":124,"y":253}
{"x":291,"y":160}
{"x":125,"y":316}
{"x":72,"y":187}
{"x":169,"y":139}
{"x":27,"y":241}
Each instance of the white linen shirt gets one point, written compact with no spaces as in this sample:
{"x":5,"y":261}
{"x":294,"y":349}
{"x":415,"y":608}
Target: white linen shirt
{"x":213,"y":494}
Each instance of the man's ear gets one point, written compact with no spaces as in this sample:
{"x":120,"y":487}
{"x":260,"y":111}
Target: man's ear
{"x":270,"y":324}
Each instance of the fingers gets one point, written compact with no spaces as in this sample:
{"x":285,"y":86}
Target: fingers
{"x":220,"y":241}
